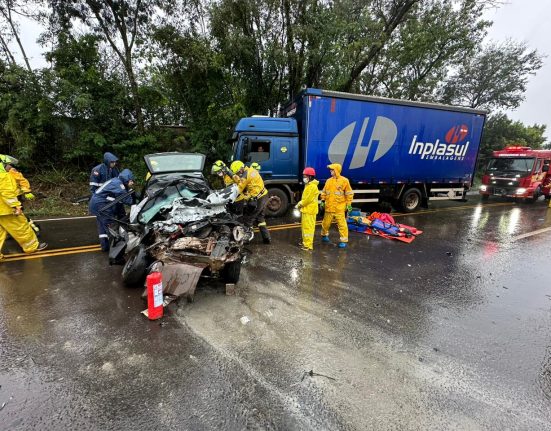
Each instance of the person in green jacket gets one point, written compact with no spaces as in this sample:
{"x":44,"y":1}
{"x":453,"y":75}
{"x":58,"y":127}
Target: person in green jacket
{"x":308,"y":207}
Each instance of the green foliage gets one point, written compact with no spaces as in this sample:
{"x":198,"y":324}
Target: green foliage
{"x":500,"y":131}
{"x":495,"y":77}
{"x":132,"y":81}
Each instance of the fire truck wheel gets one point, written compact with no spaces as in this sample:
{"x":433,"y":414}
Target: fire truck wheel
{"x":535,"y":196}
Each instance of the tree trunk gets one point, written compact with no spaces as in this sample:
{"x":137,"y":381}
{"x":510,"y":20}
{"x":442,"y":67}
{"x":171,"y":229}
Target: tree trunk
{"x":396,"y":18}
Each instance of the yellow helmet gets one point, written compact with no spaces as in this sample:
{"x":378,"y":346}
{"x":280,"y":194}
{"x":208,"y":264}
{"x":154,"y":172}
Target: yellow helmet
{"x":4,"y":158}
{"x":256,"y":166}
{"x":236,"y":166}
{"x":217,"y":166}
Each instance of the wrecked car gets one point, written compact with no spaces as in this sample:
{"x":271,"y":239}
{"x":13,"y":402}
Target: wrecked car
{"x":181,"y":223}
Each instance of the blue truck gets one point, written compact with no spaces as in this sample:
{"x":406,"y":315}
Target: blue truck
{"x":396,"y":151}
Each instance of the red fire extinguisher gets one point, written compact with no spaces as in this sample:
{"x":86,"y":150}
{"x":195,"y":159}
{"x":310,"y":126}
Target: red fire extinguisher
{"x":154,"y":283}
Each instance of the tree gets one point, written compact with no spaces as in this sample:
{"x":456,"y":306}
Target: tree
{"x":123,"y":24}
{"x":495,"y":77}
{"x":366,"y":42}
{"x":500,"y":131}
{"x":9,"y":28}
{"x":437,"y":37}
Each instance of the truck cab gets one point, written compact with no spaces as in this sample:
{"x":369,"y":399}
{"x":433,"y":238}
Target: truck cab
{"x":517,"y":172}
{"x":273,"y":144}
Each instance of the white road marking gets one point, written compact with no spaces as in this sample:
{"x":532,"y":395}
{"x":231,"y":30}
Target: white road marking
{"x":529,"y":234}
{"x":64,"y":218}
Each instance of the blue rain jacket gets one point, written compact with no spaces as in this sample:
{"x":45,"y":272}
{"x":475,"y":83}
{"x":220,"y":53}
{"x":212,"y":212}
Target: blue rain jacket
{"x":108,"y":192}
{"x":102,"y":173}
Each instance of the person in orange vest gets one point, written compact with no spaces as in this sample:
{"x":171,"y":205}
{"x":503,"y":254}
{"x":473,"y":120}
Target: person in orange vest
{"x":337,"y":198}
{"x":12,"y":220}
{"x":308,"y":207}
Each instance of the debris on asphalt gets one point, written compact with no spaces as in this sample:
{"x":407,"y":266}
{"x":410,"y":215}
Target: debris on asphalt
{"x":449,"y":253}
{"x":505,"y":287}
{"x":245,"y":320}
{"x":230,"y":289}
{"x":312,"y":374}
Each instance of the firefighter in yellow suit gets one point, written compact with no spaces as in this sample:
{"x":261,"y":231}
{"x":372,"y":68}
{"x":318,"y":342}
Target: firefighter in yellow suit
{"x":337,"y":198}
{"x":12,"y":220}
{"x":251,"y":185}
{"x":308,"y":207}
{"x":23,"y":185}
{"x":219,"y":168}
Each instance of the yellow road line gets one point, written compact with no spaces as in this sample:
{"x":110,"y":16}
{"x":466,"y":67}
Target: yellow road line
{"x":59,"y":252}
{"x":46,"y":252}
{"x":92,"y":248}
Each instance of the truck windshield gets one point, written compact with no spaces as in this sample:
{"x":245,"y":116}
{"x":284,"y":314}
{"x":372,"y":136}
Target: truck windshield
{"x":518,"y":165}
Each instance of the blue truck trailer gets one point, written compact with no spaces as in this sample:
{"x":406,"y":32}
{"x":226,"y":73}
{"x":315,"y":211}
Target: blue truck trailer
{"x":401,"y":152}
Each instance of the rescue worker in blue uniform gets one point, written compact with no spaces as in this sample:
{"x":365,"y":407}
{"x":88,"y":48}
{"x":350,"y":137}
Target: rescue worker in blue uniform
{"x":104,"y":172}
{"x":106,"y":194}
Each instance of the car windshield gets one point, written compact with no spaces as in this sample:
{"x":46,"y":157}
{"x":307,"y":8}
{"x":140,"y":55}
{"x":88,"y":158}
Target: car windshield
{"x":175,"y":162}
{"x":510,"y":165}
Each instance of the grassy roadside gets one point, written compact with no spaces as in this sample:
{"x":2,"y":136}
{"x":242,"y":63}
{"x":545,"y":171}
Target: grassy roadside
{"x":56,"y":191}
{"x":57,"y":200}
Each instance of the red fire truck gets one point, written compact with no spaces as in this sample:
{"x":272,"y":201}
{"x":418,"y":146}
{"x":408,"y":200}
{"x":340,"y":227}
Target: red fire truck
{"x":517,"y":172}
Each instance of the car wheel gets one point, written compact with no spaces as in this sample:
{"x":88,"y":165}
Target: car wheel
{"x":135,"y":268}
{"x":410,"y":200}
{"x":232,"y":271}
{"x":278,"y":202}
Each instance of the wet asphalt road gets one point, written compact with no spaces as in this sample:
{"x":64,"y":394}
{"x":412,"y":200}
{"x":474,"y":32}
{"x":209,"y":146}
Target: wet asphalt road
{"x":449,"y":332}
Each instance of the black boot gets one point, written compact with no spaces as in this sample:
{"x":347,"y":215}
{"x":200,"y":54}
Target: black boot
{"x":265,"y":234}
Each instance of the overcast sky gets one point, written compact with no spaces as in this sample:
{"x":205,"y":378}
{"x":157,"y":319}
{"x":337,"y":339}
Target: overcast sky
{"x":520,"y":20}
{"x":529,"y":21}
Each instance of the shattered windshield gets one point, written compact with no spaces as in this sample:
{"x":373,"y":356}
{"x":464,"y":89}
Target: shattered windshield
{"x":175,"y":162}
{"x":510,"y":165}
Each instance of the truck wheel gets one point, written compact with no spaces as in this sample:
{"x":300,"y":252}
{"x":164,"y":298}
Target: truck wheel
{"x":410,"y":200}
{"x":535,"y":196}
{"x":134,"y":271}
{"x":231,"y":272}
{"x":278,"y":202}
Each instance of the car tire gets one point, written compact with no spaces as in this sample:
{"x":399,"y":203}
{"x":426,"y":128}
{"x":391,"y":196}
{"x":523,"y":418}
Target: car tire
{"x":410,"y":200}
{"x":135,"y":268}
{"x":278,"y":202}
{"x":232,"y":271}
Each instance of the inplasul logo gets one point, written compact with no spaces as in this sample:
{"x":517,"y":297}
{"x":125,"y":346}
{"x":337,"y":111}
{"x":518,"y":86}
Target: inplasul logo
{"x":384,"y":133}
{"x":451,"y":150}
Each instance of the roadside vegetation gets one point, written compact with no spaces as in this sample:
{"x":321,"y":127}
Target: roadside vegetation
{"x":134,"y":77}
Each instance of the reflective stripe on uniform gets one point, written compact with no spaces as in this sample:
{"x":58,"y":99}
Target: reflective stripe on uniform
{"x":29,"y":243}
{"x":349,"y":193}
{"x":95,"y":184}
{"x":262,"y":223}
{"x":110,"y":198}
{"x":103,"y":235}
